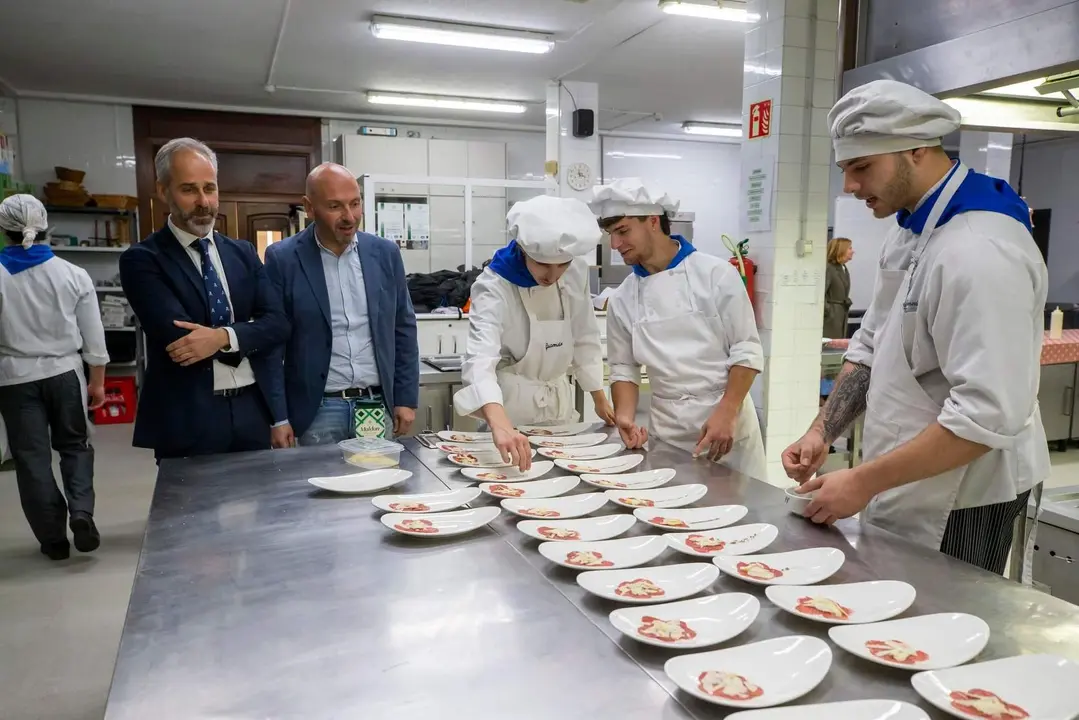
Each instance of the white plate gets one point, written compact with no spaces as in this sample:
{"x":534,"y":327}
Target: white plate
{"x":360,"y":483}
{"x":778,"y":670}
{"x":711,"y":620}
{"x":705,"y":518}
{"x":850,"y":710}
{"x":604,"y":554}
{"x":440,"y":525}
{"x":552,"y":487}
{"x":596,"y":452}
{"x":480,"y":460}
{"x":738,"y":540}
{"x":638,"y":480}
{"x":564,"y":508}
{"x":942,"y":640}
{"x":565,"y":442}
{"x":556,"y":430}
{"x":454,"y":448}
{"x":610,"y":465}
{"x":666,"y":582}
{"x":798,"y":567}
{"x":675,"y":496}
{"x":866,"y":602}
{"x":603,"y":527}
{"x":426,"y":502}
{"x":511,"y":474}
{"x":455,"y":436}
{"x":1042,"y":685}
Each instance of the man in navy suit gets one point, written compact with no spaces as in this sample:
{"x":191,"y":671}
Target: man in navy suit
{"x":212,"y":321}
{"x":352,"y":363}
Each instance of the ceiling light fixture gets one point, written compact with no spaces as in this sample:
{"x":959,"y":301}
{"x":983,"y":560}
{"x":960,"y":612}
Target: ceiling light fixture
{"x":619,"y":155}
{"x":471,"y":36}
{"x":715,"y":129}
{"x":716,"y":10}
{"x":445,"y":103}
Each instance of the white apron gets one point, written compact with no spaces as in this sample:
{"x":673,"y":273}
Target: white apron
{"x":680,"y":346}
{"x":536,"y":390}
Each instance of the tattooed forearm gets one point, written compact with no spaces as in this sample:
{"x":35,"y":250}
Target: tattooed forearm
{"x":847,"y":401}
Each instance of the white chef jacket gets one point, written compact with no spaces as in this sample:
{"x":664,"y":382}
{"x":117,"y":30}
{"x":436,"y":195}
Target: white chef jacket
{"x":498,"y":331}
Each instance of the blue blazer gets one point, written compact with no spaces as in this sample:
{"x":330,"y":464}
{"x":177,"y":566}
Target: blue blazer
{"x":163,"y":285}
{"x":295,"y":267}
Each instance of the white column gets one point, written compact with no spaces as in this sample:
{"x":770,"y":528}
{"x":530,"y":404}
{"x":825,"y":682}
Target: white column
{"x":987,"y":152}
{"x":563,"y":149}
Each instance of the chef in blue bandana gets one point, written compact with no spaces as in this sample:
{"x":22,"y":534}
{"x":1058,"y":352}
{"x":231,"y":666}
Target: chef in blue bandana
{"x":686,"y":316}
{"x":946,"y":364}
{"x":531,"y":323}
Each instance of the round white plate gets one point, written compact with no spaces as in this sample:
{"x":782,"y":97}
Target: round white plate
{"x":595,"y":452}
{"x":610,"y":465}
{"x":420,"y":503}
{"x":481,"y":460}
{"x":603,"y":527}
{"x":799,"y":567}
{"x":455,"y":448}
{"x":552,"y":487}
{"x":1042,"y":685}
{"x":760,"y":674}
{"x":440,"y":525}
{"x":845,"y":604}
{"x":511,"y":474}
{"x":737,"y":540}
{"x":850,"y":710}
{"x":563,"y":508}
{"x":925,"y":642}
{"x":360,"y":483}
{"x":675,"y":496}
{"x":643,"y":586}
{"x":565,"y":442}
{"x":638,"y":480}
{"x":604,"y":554}
{"x":556,"y":430}
{"x":455,"y":436}
{"x":685,"y":624}
{"x":705,"y":518}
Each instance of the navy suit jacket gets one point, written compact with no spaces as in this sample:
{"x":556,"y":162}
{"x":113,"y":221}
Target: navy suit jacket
{"x":163,"y":285}
{"x":295,"y":267}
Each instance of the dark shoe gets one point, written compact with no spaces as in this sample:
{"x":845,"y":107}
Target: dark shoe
{"x":87,"y":538}
{"x":59,"y":550}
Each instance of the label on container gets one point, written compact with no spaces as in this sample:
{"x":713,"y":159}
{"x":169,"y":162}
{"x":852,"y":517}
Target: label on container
{"x":369,"y":418}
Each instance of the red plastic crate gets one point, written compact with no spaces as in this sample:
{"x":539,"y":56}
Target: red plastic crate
{"x":120,"y":401}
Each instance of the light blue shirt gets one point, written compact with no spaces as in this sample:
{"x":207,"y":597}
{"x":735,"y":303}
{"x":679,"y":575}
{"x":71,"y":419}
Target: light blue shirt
{"x":352,"y":356}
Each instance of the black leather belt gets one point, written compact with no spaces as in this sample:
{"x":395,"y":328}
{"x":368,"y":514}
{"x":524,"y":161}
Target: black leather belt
{"x":232,"y":392}
{"x":371,"y":393}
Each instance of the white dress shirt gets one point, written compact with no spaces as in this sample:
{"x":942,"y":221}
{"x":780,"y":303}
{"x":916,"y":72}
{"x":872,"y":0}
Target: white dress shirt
{"x":352,"y":354}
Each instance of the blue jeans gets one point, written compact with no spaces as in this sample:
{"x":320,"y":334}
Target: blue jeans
{"x":334,"y":422}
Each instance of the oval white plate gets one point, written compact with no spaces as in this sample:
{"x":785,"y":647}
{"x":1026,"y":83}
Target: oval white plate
{"x":637,"y":481}
{"x":675,"y":496}
{"x":799,"y":567}
{"x":360,"y":483}
{"x":738,"y":540}
{"x":610,"y":465}
{"x":552,"y":487}
{"x":596,"y":452}
{"x":642,"y":586}
{"x":850,"y":710}
{"x":455,"y":448}
{"x":705,"y":518}
{"x":564,"y":508}
{"x":947,"y":639}
{"x":426,"y":502}
{"x":439,"y":525}
{"x":455,"y":436}
{"x":538,"y":469}
{"x":711,"y":620}
{"x":866,"y":602}
{"x":480,"y":460}
{"x":604,"y":554}
{"x":556,"y":430}
{"x":603,"y":527}
{"x":1042,"y":685}
{"x":771,"y":672}
{"x":578,"y":441}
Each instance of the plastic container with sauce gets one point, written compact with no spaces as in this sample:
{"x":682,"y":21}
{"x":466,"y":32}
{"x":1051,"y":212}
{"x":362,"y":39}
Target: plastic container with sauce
{"x":371,"y":453}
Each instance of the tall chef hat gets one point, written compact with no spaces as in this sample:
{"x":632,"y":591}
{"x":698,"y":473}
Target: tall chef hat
{"x":553,"y":230}
{"x":887,"y":116}
{"x":632,"y":198}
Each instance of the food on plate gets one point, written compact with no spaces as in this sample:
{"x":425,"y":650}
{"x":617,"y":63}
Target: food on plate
{"x":417,"y":526}
{"x":665,"y":630}
{"x":669,"y":522}
{"x":823,"y":607}
{"x":611,"y":483}
{"x":639,"y":588}
{"x":493,"y":476}
{"x":557,"y":533}
{"x":896,"y":651}
{"x":465,"y":459}
{"x":506,"y":490}
{"x":552,"y":444}
{"x":410,"y":507}
{"x":705,"y":543}
{"x":984,"y":704}
{"x":636,"y":502}
{"x":587,"y":558}
{"x":584,"y":468}
{"x":556,"y":453}
{"x":466,"y":438}
{"x":758,"y":571}
{"x":727,"y":685}
{"x":540,"y":512}
{"x":540,"y":432}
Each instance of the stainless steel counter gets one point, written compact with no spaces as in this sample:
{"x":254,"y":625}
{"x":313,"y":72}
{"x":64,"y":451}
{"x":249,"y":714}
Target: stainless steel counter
{"x":259,"y":597}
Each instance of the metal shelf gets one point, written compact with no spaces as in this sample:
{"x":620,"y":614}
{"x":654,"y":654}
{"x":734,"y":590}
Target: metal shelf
{"x":72,"y":210}
{"x":108,"y":288}
{"x":80,"y":248}
{"x":116,"y":329}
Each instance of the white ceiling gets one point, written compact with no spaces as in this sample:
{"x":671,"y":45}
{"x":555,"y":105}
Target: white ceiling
{"x":219,"y":52}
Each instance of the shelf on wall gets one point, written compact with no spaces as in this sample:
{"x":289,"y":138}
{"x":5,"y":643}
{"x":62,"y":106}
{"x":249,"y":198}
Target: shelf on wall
{"x":81,"y":248}
{"x":64,"y":210}
{"x":121,"y":329}
{"x":108,"y":288}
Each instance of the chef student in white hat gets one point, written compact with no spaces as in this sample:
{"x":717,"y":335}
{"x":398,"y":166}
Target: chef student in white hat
{"x":531,"y":322}
{"x":687,"y":317}
{"x":946,"y":364}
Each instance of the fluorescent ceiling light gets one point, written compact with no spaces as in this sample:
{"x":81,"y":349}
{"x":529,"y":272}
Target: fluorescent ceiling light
{"x":618,"y":155}
{"x":445,"y":103}
{"x":716,"y":129}
{"x":1021,"y":90}
{"x":732,"y":12}
{"x":470,"y":36}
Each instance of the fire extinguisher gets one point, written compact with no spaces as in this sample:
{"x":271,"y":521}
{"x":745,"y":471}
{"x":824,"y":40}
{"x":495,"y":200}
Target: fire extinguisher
{"x":746,"y":268}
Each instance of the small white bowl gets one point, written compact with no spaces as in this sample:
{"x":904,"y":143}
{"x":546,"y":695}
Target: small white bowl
{"x":552,"y":487}
{"x":510,"y":474}
{"x":799,"y":567}
{"x":592,"y":529}
{"x":595,"y":452}
{"x":737,"y":540}
{"x":423,"y":503}
{"x":565,"y":442}
{"x":858,"y":603}
{"x":705,"y":518}
{"x":925,"y":642}
{"x":637,"y":481}
{"x":686,"y":624}
{"x":362,"y":483}
{"x":797,"y":503}
{"x":486,"y":459}
{"x":675,"y":496}
{"x":439,"y":525}
{"x":563,"y":508}
{"x":651,"y":584}
{"x":604,"y":554}
{"x":849,"y":710}
{"x":604,"y":467}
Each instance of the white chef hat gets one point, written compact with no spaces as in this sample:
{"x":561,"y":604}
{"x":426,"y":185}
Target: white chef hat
{"x":887,"y":116}
{"x":24,"y":214}
{"x":553,"y":230}
{"x":632,"y":198}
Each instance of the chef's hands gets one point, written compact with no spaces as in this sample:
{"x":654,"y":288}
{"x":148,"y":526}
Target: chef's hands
{"x":805,"y":456}
{"x":282,"y":437}
{"x":603,"y":408}
{"x":513,"y":446}
{"x":96,"y":391}
{"x":633,"y":435}
{"x":717,"y":435}
{"x":403,"y":417}
{"x":202,"y":342}
{"x":838,"y":495}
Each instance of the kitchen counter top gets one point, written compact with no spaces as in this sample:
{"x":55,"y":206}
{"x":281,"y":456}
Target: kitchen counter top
{"x":1059,"y":351}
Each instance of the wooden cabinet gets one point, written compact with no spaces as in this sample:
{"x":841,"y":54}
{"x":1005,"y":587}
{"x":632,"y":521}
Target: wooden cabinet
{"x":262,"y":224}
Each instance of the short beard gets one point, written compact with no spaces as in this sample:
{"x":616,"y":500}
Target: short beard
{"x":897,"y":193}
{"x":199,"y":222}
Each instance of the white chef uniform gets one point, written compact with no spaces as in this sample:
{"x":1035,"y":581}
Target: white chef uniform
{"x":688,"y":325}
{"x":522,"y":341}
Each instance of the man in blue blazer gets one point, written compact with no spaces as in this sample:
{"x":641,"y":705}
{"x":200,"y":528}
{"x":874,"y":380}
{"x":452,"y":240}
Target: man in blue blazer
{"x":212,"y":321}
{"x":351,"y":366}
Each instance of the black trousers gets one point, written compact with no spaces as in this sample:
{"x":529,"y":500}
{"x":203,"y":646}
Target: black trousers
{"x":42,"y":416}
{"x":982,"y":536}
{"x":234,"y":424}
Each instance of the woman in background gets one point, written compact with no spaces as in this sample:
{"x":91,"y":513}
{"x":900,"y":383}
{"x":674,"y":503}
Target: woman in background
{"x":837,"y":288}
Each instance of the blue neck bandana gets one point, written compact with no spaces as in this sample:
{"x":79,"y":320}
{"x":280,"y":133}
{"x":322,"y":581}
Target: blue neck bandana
{"x":978,"y":192}
{"x":684,"y":251}
{"x":16,"y":258}
{"x":509,"y":264}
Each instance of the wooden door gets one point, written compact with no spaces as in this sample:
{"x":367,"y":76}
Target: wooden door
{"x":262,"y":224}
{"x":225,"y":223}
